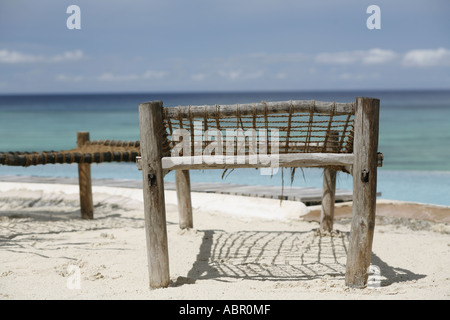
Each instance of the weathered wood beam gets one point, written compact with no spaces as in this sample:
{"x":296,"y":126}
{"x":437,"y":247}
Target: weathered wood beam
{"x":183,"y":186}
{"x":150,"y":124}
{"x":256,"y":161}
{"x":329,"y":188}
{"x":85,"y":181}
{"x":224,"y":111}
{"x":364,"y":191}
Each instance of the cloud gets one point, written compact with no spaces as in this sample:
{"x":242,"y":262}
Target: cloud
{"x":336,"y":58}
{"x":231,"y":75}
{"x":68,"y":78}
{"x":148,"y":75}
{"x":427,"y":58}
{"x":378,"y":56}
{"x":119,"y":78}
{"x":13,"y":57}
{"x":240,"y":75}
{"x":66,"y":56}
{"x":368,"y":57}
{"x":243,"y":67}
{"x":275,"y":58}
{"x":358,"y":76}
{"x":7,"y":56}
{"x":198,"y":76}
{"x":281,"y":75}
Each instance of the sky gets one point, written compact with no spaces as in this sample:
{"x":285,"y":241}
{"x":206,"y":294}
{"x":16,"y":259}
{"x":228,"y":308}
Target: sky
{"x":216,"y":45}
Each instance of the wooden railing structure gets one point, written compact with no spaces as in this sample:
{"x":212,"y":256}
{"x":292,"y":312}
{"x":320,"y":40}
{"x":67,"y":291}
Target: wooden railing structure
{"x":86,"y":152}
{"x":333,"y":136}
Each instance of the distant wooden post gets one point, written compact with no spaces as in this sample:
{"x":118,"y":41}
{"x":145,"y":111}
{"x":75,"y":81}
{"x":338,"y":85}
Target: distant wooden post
{"x":365,"y":147}
{"x":150,"y":123}
{"x":84,"y":181}
{"x":183,"y":184}
{"x":329,"y":188}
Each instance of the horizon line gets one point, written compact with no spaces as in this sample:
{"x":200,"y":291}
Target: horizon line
{"x":222,"y":91}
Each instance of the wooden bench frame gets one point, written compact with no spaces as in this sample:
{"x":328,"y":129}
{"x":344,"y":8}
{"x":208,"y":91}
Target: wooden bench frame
{"x":86,"y":153}
{"x":362,"y":162}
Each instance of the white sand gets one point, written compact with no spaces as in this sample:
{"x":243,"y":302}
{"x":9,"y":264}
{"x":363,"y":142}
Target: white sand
{"x":241,"y":248}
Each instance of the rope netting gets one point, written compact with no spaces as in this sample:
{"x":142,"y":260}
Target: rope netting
{"x":96,"y":151}
{"x":252,"y":129}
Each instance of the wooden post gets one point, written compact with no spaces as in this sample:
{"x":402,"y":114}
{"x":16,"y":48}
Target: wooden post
{"x":84,"y":181}
{"x":365,"y":147}
{"x":329,"y":188}
{"x":151,"y":126}
{"x":183,"y":184}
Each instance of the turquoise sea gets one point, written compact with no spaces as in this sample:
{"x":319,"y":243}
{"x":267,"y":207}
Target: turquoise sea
{"x":414,"y":136}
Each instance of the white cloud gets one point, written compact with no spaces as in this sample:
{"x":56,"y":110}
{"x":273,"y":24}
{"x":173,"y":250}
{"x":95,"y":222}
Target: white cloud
{"x":11,"y":57}
{"x":275,"y":58}
{"x":148,"y":75}
{"x":119,"y":78}
{"x":378,"y":56}
{"x":66,"y":56}
{"x":254,"y":75}
{"x":372,"y":56}
{"x":7,"y":56}
{"x":336,"y":58}
{"x":281,"y":75}
{"x":198,"y":77}
{"x":68,"y":78}
{"x":240,"y":75}
{"x":358,"y":76}
{"x":231,"y":75}
{"x":427,"y":58}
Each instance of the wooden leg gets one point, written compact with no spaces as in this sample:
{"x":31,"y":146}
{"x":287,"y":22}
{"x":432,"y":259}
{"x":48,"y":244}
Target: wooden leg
{"x":183,"y":184}
{"x":150,"y":123}
{"x":85,"y":182}
{"x":329,"y":187}
{"x":365,"y":148}
{"x":328,"y":197}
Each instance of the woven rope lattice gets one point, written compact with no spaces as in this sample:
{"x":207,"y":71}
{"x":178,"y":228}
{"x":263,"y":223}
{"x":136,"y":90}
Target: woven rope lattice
{"x":301,"y":127}
{"x":95,"y":151}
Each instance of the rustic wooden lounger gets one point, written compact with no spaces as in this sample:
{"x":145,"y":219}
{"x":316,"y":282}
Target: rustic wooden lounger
{"x":86,"y":152}
{"x":334,"y":136}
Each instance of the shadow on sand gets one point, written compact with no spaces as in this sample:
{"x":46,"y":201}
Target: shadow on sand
{"x":280,"y":256}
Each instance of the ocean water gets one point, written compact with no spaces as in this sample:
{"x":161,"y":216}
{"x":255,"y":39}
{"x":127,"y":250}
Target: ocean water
{"x":414,"y":136}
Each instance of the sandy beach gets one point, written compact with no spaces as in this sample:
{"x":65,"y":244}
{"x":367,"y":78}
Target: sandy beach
{"x":240,"y":248}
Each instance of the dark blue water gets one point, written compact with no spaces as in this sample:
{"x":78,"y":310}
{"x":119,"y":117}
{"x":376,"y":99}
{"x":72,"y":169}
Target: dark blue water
{"x":414,"y":135}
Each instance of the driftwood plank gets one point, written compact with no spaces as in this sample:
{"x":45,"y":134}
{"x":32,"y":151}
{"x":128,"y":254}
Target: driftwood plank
{"x":255,"y":161}
{"x":224,"y":111}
